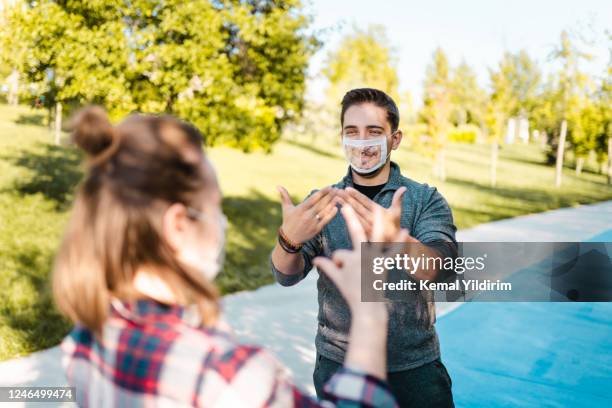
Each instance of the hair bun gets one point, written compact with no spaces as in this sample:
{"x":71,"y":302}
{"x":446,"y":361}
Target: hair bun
{"x":93,"y":132}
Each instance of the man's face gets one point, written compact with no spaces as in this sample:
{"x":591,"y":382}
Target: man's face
{"x":363,"y":122}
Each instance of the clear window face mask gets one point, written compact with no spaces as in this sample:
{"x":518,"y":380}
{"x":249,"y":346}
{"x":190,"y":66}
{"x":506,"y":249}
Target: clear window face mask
{"x":365,"y":156}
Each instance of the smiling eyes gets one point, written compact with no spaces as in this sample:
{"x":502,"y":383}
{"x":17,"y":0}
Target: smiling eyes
{"x":369,"y":132}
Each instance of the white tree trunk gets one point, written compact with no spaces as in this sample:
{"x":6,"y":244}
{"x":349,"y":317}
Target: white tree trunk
{"x":440,"y":165}
{"x":560,"y":153}
{"x":544,"y":140}
{"x":494,"y":154}
{"x":579,"y":165}
{"x":13,"y":88}
{"x":58,"y":122}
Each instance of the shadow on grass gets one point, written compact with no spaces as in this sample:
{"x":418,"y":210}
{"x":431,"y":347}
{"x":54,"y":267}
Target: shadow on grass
{"x":53,"y":171}
{"x":254,"y":220}
{"x":38,"y":322}
{"x":527,"y":160}
{"x":520,"y":201}
{"x":37,"y":119}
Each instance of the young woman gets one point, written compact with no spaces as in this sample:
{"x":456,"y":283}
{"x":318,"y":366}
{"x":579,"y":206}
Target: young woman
{"x":135,"y":270}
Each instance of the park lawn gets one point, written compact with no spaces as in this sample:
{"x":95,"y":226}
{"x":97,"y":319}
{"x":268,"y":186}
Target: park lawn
{"x":37,"y":180}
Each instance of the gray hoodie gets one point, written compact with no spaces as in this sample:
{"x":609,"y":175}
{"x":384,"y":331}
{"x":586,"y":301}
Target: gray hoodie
{"x":412,"y":339}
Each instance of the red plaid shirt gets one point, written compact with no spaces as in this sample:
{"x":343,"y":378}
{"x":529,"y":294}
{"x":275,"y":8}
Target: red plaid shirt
{"x":156,"y":355}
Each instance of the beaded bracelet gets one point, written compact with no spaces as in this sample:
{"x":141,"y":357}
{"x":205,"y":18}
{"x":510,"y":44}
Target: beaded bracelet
{"x":286,"y":243}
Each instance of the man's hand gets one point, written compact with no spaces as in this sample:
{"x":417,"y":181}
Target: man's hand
{"x":303,"y":221}
{"x":366,"y":209}
{"x":345,"y":265}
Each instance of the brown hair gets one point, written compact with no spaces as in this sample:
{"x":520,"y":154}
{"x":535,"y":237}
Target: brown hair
{"x":375,"y":96}
{"x":134,"y":171}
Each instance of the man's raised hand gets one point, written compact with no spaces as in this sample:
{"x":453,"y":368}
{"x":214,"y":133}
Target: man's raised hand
{"x":366,"y":209}
{"x":303,"y":221}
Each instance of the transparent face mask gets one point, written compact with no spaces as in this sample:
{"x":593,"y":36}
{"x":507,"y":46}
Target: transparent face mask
{"x":365,"y":156}
{"x":208,"y":262}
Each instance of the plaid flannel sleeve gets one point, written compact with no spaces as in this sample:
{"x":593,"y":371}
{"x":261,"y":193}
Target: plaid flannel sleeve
{"x":249,"y":376}
{"x":353,"y":388}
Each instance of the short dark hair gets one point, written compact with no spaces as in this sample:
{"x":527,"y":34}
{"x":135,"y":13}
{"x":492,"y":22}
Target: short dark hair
{"x":375,"y":96}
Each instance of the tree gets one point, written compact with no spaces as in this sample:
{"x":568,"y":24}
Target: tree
{"x":234,"y":68}
{"x":515,"y":85}
{"x":603,"y":104}
{"x":587,"y":126}
{"x":572,"y":86}
{"x":362,"y":60}
{"x":69,"y":53}
{"x":494,"y":126}
{"x":467,"y":97}
{"x":437,"y":109}
{"x":8,"y":71}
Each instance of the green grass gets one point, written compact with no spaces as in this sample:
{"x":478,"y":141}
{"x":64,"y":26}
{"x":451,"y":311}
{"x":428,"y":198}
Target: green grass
{"x":37,"y":181}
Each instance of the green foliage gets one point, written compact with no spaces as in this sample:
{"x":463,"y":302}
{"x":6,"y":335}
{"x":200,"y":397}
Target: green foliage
{"x":71,"y":53}
{"x":363,"y":59}
{"x":587,"y":126}
{"x":464,"y":134}
{"x":437,"y":102}
{"x":234,"y":68}
{"x":514,"y":92}
{"x":467,"y":97}
{"x":569,"y":96}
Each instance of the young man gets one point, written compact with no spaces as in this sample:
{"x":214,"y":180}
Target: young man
{"x":370,"y":121}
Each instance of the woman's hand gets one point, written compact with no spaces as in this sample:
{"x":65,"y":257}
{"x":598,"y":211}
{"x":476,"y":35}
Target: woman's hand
{"x":344,"y":268}
{"x":368,"y":335}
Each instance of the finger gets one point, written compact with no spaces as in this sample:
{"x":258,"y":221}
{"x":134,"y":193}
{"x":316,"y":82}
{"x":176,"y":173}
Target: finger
{"x":324,"y":201}
{"x":403,"y":236}
{"x":361,"y":210}
{"x":327,"y":215}
{"x":410,"y":238}
{"x":326,"y":265}
{"x":284,"y":195}
{"x":314,"y":199}
{"x":340,"y":256}
{"x":363,"y":199}
{"x":355,"y":229}
{"x":378,"y":225}
{"x":366,"y":224}
{"x":363,"y":215}
{"x":396,"y":202}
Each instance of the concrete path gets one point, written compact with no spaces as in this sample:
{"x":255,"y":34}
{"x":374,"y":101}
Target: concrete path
{"x":284,"y":319}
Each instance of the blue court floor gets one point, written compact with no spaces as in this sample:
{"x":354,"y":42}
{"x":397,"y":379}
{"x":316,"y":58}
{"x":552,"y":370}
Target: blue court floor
{"x":530,"y":354}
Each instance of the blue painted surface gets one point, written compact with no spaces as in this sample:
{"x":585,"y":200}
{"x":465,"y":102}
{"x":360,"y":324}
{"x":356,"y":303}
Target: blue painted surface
{"x":603,"y":237}
{"x":530,"y":354}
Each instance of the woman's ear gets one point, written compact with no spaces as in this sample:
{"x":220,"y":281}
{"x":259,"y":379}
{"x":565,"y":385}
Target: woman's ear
{"x":174,"y":225}
{"x":396,"y":139}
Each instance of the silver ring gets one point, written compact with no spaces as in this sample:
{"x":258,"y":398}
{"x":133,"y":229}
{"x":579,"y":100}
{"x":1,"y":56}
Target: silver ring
{"x":318,"y":217}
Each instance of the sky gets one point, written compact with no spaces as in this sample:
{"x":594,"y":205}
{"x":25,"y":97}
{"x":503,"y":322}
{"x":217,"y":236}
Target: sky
{"x":478,"y":31}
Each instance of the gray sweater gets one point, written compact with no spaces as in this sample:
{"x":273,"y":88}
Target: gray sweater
{"x":412,"y":339}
